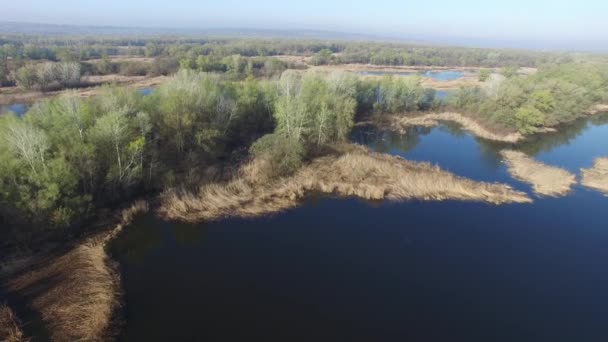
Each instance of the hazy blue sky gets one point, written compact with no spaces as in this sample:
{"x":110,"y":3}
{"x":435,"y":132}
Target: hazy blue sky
{"x":532,"y":19}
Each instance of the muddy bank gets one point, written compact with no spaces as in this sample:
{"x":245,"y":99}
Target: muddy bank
{"x":545,"y":180}
{"x":355,"y":173}
{"x":596,"y":177}
{"x":400,"y":122}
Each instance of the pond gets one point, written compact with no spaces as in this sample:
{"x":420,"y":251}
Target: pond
{"x":349,"y":270}
{"x":17,"y":108}
{"x":448,"y":75}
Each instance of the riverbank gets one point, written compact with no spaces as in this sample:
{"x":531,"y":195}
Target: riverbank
{"x":352,"y":172}
{"x":596,"y":177}
{"x":545,"y":180}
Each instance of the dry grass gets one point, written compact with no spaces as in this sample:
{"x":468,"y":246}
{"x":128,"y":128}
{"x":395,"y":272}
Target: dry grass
{"x":10,"y":329}
{"x":76,"y":292}
{"x":357,"y":173}
{"x":399,"y":122}
{"x":597,"y":176}
{"x":545,"y":180}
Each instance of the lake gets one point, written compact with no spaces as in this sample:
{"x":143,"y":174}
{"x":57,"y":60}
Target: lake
{"x":348,"y":270}
{"x":448,"y":75}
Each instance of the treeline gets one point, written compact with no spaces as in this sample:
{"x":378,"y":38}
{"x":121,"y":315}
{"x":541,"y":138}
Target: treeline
{"x":68,"y":157}
{"x":553,"y":95}
{"x":49,"y":75}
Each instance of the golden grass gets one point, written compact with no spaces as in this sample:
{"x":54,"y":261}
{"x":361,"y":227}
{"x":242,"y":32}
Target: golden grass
{"x":399,"y":122}
{"x":76,"y":292}
{"x":596,"y":177}
{"x":545,"y":180}
{"x":10,"y":329}
{"x":357,"y":173}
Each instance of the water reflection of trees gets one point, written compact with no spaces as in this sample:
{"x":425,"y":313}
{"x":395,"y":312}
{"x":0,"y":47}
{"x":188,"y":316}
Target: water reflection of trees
{"x":137,"y":240}
{"x":384,"y":141}
{"x":565,"y":134}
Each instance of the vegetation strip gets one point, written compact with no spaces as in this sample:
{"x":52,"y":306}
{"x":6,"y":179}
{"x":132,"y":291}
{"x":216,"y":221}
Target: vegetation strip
{"x":545,"y":180}
{"x":356,"y":173}
{"x":597,"y":176}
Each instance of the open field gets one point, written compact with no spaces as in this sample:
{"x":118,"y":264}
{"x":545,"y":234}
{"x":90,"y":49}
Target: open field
{"x":354,"y":172}
{"x":545,"y":180}
{"x":597,"y":176}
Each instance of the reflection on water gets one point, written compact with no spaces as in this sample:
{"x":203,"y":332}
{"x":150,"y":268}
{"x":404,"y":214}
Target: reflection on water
{"x":343,"y":270}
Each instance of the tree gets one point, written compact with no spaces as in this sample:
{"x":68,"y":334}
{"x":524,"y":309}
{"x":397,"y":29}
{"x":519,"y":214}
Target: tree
{"x":484,"y":75}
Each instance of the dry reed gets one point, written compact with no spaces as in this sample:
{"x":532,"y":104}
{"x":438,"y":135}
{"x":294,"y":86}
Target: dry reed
{"x":76,"y":292}
{"x":10,"y":327}
{"x":545,"y":180}
{"x":356,"y":173}
{"x":596,"y":177}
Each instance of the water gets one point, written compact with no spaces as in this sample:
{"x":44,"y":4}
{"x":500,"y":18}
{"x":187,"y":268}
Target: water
{"x":145,"y":91}
{"x":17,"y":108}
{"x":348,"y":270}
{"x":436,"y":75}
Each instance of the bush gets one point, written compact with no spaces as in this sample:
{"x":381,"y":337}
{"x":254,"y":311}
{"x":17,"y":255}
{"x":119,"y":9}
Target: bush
{"x":134,"y":69}
{"x":284,"y":155}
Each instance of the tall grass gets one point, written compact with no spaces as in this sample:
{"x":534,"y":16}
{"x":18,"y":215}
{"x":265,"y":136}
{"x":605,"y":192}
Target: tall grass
{"x":597,"y":176}
{"x":545,"y":180}
{"x":10,"y":329}
{"x":356,"y":172}
{"x":76,"y":291}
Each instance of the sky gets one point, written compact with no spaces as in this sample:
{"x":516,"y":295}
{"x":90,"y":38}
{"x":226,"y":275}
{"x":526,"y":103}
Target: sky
{"x":554,"y":20}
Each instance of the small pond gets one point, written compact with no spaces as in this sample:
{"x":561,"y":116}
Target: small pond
{"x":348,"y":270}
{"x":17,"y":108}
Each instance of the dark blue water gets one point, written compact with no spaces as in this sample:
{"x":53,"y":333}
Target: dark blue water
{"x":17,"y":108}
{"x":348,"y":270}
{"x":436,"y":75}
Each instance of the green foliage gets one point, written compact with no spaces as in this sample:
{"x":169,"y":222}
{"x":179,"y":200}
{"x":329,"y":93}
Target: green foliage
{"x":528,"y":119}
{"x":283,"y":154}
{"x":323,"y":57}
{"x":484,"y":75}
{"x":553,"y":95}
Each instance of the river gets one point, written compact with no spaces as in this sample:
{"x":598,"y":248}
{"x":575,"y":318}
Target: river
{"x":348,"y":270}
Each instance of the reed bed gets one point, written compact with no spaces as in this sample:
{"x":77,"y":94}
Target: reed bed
{"x":10,"y":327}
{"x":355,"y":173}
{"x":545,"y":180}
{"x":596,"y":177}
{"x":76,"y":291}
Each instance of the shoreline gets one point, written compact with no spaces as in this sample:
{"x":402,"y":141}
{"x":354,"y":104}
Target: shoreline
{"x":596,"y":177}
